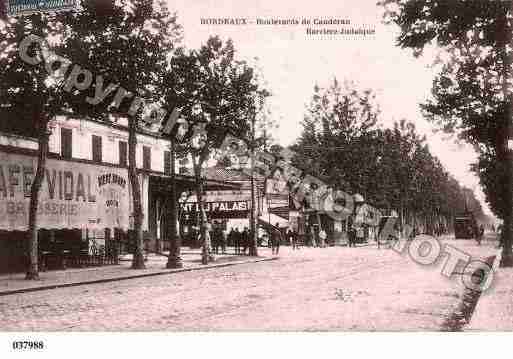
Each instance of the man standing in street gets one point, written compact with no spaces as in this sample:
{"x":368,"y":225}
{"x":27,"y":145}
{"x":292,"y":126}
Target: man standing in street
{"x":351,"y":236}
{"x":224,"y":240}
{"x":312,"y":236}
{"x":275,"y":240}
{"x":322,"y":236}
{"x":480,"y":235}
{"x":245,"y":237}
{"x":292,"y":239}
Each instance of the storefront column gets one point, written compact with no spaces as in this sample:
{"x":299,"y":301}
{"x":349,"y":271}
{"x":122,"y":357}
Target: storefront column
{"x":152,"y":220}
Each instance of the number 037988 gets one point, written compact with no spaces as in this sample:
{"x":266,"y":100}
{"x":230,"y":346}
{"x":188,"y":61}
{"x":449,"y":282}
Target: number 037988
{"x":27,"y":345}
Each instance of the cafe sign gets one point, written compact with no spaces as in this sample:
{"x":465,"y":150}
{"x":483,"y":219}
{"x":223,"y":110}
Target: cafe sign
{"x":72,"y":195}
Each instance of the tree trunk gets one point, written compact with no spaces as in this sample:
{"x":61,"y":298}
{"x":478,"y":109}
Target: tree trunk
{"x":506,"y":158}
{"x":32,"y":240}
{"x":507,"y":228}
{"x":174,"y":259}
{"x":206,"y":247}
{"x":253,"y":246}
{"x":138,"y":257}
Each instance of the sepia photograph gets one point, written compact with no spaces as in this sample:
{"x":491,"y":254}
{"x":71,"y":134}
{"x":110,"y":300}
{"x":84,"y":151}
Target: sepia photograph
{"x":259,"y":168}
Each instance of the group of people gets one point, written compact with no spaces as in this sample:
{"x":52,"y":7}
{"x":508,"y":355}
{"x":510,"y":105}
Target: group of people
{"x":312,"y":238}
{"x":239,"y":240}
{"x":316,"y":237}
{"x":293,"y":238}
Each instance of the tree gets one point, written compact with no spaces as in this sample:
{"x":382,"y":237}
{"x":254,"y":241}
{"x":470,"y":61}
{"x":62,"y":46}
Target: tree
{"x":392,"y":167}
{"x":24,"y":82}
{"x":339,"y":120}
{"x":127,"y":42}
{"x":472,"y":90}
{"x":215,"y":93}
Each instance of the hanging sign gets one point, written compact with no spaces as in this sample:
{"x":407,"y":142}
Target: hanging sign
{"x":221,"y":210}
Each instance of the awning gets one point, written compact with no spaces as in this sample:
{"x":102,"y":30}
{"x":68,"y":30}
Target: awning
{"x":264,"y":221}
{"x":164,"y":183}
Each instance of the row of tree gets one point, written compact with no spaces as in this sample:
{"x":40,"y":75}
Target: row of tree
{"x":133,"y":45}
{"x":472,"y":92}
{"x":393,"y":168}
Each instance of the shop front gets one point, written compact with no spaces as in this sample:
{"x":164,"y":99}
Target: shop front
{"x":83,"y":211}
{"x":183,"y":213}
{"x":225,"y":209}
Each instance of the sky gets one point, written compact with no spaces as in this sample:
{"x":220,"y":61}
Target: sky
{"x":292,"y":62}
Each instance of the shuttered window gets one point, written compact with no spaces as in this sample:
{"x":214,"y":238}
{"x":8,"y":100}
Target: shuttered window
{"x":97,"y":148}
{"x":167,"y":162}
{"x":146,"y":158}
{"x":66,"y":143}
{"x":123,"y":153}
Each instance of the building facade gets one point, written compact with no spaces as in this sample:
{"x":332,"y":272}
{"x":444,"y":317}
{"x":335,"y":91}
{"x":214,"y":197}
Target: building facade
{"x":85,"y":198}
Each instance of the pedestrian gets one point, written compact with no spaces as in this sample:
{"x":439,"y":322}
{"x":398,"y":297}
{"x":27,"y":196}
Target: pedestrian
{"x":231,"y":238}
{"x":323,"y":236}
{"x":360,"y":235}
{"x":215,"y":240}
{"x":224,"y":240}
{"x":501,"y":235}
{"x":276,"y":240}
{"x":236,"y":240}
{"x":291,"y":239}
{"x":295,"y":235}
{"x":351,"y":236}
{"x":312,"y":236}
{"x":480,"y":235}
{"x":245,"y":240}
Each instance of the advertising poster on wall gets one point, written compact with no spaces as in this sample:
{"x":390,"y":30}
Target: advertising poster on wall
{"x":73,"y":195}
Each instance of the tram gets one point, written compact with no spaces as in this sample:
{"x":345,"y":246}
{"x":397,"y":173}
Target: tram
{"x":465,"y":226}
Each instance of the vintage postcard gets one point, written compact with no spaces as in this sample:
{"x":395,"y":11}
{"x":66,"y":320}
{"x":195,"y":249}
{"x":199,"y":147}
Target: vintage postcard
{"x":255,"y":166}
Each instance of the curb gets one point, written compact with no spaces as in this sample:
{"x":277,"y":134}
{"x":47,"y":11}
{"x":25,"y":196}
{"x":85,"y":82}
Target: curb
{"x":134,"y":276}
{"x":463,"y":313}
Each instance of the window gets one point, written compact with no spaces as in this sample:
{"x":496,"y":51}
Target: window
{"x":97,"y":148}
{"x":167,"y":162}
{"x":123,"y":153}
{"x":146,"y":157}
{"x":66,"y":142}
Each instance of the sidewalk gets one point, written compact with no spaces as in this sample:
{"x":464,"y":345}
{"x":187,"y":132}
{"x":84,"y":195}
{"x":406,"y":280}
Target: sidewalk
{"x":155,"y":265}
{"x":494,"y":311}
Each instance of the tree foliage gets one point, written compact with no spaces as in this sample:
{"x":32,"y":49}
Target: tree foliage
{"x":392,"y":168}
{"x":471,"y":94}
{"x":217,"y":95}
{"x":22,"y":83}
{"x":126,"y":44}
{"x":28,"y":102}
